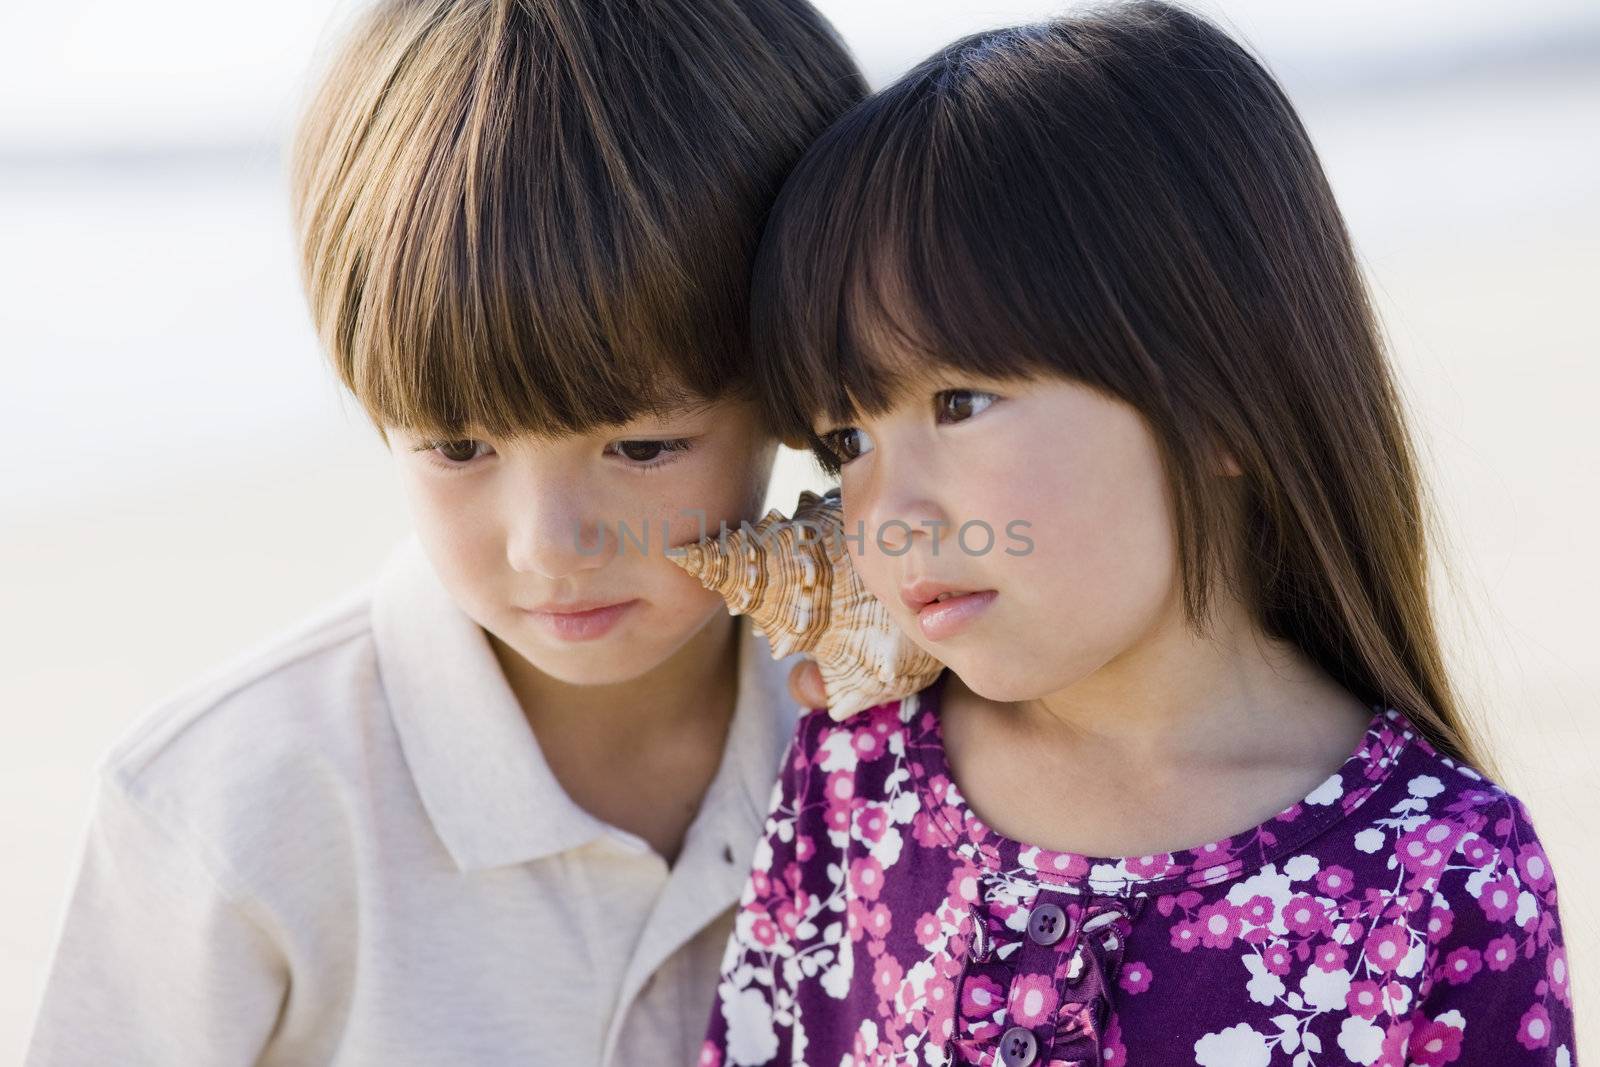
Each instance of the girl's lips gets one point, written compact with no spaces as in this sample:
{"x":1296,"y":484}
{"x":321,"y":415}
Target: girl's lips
{"x":582,"y":625}
{"x":944,"y":619}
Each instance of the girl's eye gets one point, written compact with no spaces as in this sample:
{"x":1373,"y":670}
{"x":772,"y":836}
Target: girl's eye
{"x":644,"y":455}
{"x":951,"y":405}
{"x":846,"y":444}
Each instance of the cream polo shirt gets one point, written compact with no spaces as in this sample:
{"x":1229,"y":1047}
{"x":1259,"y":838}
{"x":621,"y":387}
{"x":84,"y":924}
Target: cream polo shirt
{"x":345,"y":847}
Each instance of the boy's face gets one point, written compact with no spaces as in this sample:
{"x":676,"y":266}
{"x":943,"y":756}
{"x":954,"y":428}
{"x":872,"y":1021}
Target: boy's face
{"x":518,"y":529}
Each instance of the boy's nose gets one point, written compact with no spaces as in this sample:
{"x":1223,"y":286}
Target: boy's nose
{"x":557,"y":543}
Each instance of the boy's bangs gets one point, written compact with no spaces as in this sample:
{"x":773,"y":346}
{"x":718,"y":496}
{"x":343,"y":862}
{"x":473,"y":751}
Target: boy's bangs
{"x":538,"y":218}
{"x":495,"y":351}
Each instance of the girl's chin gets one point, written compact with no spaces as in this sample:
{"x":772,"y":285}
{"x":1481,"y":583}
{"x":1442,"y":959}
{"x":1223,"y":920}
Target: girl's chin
{"x":993,"y":680}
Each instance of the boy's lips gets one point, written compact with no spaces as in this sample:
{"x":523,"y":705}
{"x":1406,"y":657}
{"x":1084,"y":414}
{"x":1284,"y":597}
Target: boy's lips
{"x":587,"y":625}
{"x":572,"y":607}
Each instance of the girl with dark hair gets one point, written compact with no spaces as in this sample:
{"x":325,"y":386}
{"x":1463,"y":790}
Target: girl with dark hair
{"x":1194,"y":786}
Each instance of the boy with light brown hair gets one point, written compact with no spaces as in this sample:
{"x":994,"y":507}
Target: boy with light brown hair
{"x":497,"y":806}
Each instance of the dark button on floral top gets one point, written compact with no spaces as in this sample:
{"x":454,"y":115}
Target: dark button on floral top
{"x":1402,"y":913}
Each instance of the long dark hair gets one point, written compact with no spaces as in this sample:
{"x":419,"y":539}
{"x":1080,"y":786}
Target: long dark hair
{"x":1126,"y":198}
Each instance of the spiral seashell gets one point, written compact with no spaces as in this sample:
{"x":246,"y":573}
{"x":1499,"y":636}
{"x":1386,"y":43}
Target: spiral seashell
{"x":793,"y":577}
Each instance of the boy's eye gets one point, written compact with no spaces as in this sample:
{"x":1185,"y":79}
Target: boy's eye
{"x":454,"y":453}
{"x":647,"y":454}
{"x":962,"y":404}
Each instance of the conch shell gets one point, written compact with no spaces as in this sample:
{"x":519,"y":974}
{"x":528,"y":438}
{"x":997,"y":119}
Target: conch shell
{"x":793,"y":577}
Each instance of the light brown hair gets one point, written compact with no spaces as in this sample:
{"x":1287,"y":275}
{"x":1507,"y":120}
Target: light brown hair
{"x":538,"y":216}
{"x":1127,"y":199}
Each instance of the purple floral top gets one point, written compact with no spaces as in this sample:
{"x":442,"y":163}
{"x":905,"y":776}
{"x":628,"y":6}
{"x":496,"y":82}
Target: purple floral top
{"x":1402,"y":913}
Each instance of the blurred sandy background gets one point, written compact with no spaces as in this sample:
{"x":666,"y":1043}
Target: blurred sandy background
{"x":181,"y":479}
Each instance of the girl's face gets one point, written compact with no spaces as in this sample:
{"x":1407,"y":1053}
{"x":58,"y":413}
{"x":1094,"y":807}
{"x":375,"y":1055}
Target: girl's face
{"x":514,"y":526}
{"x":1082,"y":562}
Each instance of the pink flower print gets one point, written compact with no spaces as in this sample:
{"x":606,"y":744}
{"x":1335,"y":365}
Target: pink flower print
{"x":1499,"y":898}
{"x":1213,"y":853}
{"x":1386,"y":947}
{"x":1033,"y":999}
{"x":1500,"y":953}
{"x":1149,"y":866}
{"x":1278,"y":958}
{"x":858,"y":919}
{"x":1305,"y":915}
{"x":710,"y":1056}
{"x":1257,"y":910}
{"x":963,"y":884}
{"x":940,"y":997}
{"x":1395,"y":1037}
{"x":1434,"y":1044}
{"x":1112,"y":1051}
{"x":1534,"y":868}
{"x":791,"y":876}
{"x":866,"y":878}
{"x":1364,"y":999}
{"x":764,"y":930}
{"x":1534,"y":1031}
{"x":980,"y":997}
{"x":871,"y":821}
{"x":1440,"y":922}
{"x":1335,"y":881}
{"x":869,"y":743}
{"x":1219,"y":924}
{"x":804,"y":847}
{"x":1135,"y":977}
{"x":1475,"y":851}
{"x":791,"y":913}
{"x":928,"y":929}
{"x":1461,"y":965}
{"x":1555,"y":972}
{"x":865,"y":1053}
{"x":837,"y":817}
{"x":1064,"y":864}
{"x":1330,"y":957}
{"x":939,"y":786}
{"x":1425,"y":849}
{"x":879,"y":920}
{"x":1185,"y":935}
{"x":886,"y":979}
{"x":928,"y":831}
{"x":840,"y":788}
{"x":760,"y":884}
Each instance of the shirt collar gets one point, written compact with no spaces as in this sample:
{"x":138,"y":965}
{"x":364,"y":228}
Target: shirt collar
{"x":486,"y":787}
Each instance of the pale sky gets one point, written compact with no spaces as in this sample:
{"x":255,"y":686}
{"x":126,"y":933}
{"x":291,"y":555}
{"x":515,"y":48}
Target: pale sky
{"x":169,"y":73}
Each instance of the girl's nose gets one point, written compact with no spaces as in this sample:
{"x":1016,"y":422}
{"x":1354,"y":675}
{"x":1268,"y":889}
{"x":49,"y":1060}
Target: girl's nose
{"x":893,"y":520}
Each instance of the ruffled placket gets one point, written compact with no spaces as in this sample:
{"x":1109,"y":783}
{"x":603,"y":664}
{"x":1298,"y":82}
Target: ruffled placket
{"x":1056,"y":962}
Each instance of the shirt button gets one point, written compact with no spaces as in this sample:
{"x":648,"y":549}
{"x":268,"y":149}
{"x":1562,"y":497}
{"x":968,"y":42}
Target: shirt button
{"x":1018,"y":1047}
{"x":1047,"y":924}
